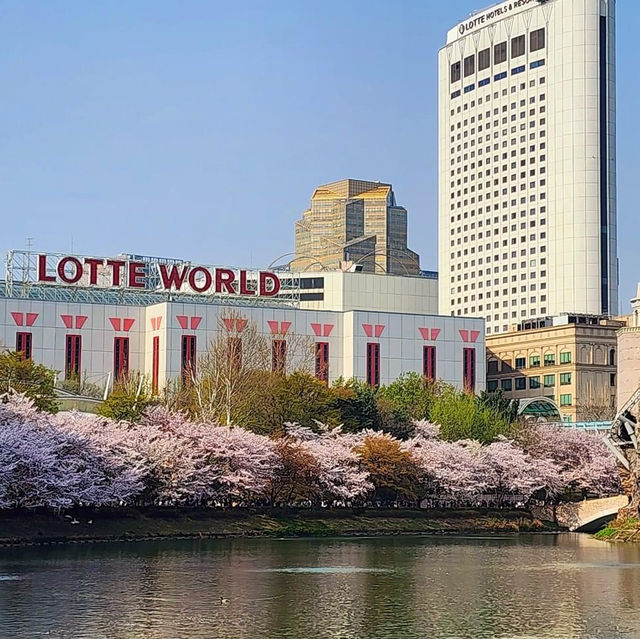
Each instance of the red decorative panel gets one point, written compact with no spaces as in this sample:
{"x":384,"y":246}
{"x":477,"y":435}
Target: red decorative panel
{"x":127,"y":323}
{"x":183,"y":320}
{"x":474,"y":335}
{"x":424,"y":332}
{"x":116,"y":322}
{"x":31,"y":318}
{"x":317,"y":329}
{"x":326,"y":329}
{"x":18,"y":318}
{"x":155,"y":323}
{"x":195,"y":322}
{"x":434,"y":333}
{"x":379,"y":329}
{"x":81,"y":320}
{"x":67,"y":320}
{"x":241,"y":324}
{"x":464,"y":334}
{"x":368,"y":330}
{"x":273,"y":326}
{"x":284,"y":327}
{"x":229,"y":323}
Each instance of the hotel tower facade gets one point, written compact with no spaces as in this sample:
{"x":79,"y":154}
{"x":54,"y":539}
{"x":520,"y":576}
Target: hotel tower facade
{"x":527,"y":162}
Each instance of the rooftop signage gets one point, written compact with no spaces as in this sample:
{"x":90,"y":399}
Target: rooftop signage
{"x":497,"y":12}
{"x":121,"y":272}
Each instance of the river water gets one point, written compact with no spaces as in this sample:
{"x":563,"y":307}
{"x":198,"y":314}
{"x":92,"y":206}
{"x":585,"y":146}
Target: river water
{"x":380,"y":588}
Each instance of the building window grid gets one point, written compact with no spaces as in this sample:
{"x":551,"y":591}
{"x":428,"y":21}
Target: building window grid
{"x":73,"y":354}
{"x":24,"y":345}
{"x":120,"y":358}
{"x":373,"y":364}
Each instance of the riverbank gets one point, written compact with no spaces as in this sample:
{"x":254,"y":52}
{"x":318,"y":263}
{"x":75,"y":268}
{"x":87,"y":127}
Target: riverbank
{"x":628,"y":530}
{"x":28,"y":528}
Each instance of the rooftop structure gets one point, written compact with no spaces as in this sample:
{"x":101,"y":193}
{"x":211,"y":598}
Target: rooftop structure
{"x":354,"y":224}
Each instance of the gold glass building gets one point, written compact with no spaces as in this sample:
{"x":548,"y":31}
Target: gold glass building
{"x":354,"y":223}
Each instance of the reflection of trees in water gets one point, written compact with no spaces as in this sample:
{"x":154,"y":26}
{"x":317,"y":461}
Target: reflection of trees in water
{"x":432,"y":587}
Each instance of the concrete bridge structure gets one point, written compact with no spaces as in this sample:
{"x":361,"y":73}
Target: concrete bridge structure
{"x":588,"y":515}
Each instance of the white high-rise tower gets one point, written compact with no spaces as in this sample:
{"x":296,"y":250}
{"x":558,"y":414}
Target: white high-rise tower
{"x":527,"y":183}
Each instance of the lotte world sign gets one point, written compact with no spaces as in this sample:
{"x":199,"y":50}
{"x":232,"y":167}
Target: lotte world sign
{"x":154,"y":275}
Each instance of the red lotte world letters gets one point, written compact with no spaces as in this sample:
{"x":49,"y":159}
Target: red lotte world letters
{"x":121,"y":273}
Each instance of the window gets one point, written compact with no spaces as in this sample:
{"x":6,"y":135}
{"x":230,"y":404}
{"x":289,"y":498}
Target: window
{"x":549,"y":381}
{"x":322,"y":361}
{"x":155,"y":365}
{"x":534,"y":361}
{"x":517,"y":46}
{"x":188,"y":358}
{"x":484,"y":59}
{"x":469,"y":369}
{"x":492,"y":385}
{"x":373,"y":364}
{"x":536,"y":64}
{"x":24,"y":345}
{"x":549,"y":359}
{"x":506,"y":384}
{"x":534,"y":382}
{"x":521,"y":383}
{"x":612,"y":357}
{"x":492,"y":366}
{"x":279,"y":356}
{"x":536,"y":40}
{"x":565,"y":357}
{"x":120,"y":358}
{"x":500,"y":53}
{"x":455,"y":72}
{"x":566,"y":400}
{"x":429,"y":362}
{"x":565,"y":378}
{"x":469,"y":65}
{"x":612,"y":379}
{"x":72,"y":357}
{"x":521,"y":362}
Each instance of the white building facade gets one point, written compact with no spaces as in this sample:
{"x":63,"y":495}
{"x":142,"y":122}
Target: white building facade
{"x":527,"y":162}
{"x":100,"y":331}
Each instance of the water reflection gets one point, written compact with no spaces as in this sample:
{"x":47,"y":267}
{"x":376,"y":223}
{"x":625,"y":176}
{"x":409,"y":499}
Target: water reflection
{"x":386,"y":588}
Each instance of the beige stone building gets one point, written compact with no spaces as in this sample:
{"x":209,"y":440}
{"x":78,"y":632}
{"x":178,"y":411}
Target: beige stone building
{"x":354,"y":222}
{"x":629,"y":349}
{"x":570,"y":360}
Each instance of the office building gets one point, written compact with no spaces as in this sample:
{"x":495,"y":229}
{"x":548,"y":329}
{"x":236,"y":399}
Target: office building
{"x":570,"y":361}
{"x":354,"y":223}
{"x":527,"y":162}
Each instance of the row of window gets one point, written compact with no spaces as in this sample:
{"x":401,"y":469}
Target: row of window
{"x":496,"y":78}
{"x":483,"y":59}
{"x":188,"y":357}
{"x":520,"y":383}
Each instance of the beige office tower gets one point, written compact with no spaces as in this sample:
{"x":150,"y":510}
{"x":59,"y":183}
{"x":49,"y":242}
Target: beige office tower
{"x":357,"y":224}
{"x":527,"y":176}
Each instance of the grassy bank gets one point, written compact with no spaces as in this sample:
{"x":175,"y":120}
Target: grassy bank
{"x":629,"y":530}
{"x":21,"y":528}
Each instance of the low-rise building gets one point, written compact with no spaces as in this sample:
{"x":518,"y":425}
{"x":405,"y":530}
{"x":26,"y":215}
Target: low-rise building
{"x":570,"y":360}
{"x":100,"y":318}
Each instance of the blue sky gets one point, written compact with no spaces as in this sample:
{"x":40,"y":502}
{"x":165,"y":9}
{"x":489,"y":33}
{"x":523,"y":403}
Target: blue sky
{"x":199,"y":129}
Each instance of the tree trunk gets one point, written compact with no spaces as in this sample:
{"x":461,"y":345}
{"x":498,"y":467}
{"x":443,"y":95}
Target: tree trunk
{"x":630,"y":485}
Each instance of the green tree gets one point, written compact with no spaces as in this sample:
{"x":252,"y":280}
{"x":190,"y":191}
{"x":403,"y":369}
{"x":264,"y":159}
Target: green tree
{"x":496,"y":401}
{"x":412,"y":394}
{"x":128,"y":400}
{"x":461,"y":416}
{"x":25,"y":376}
{"x":358,"y":405}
